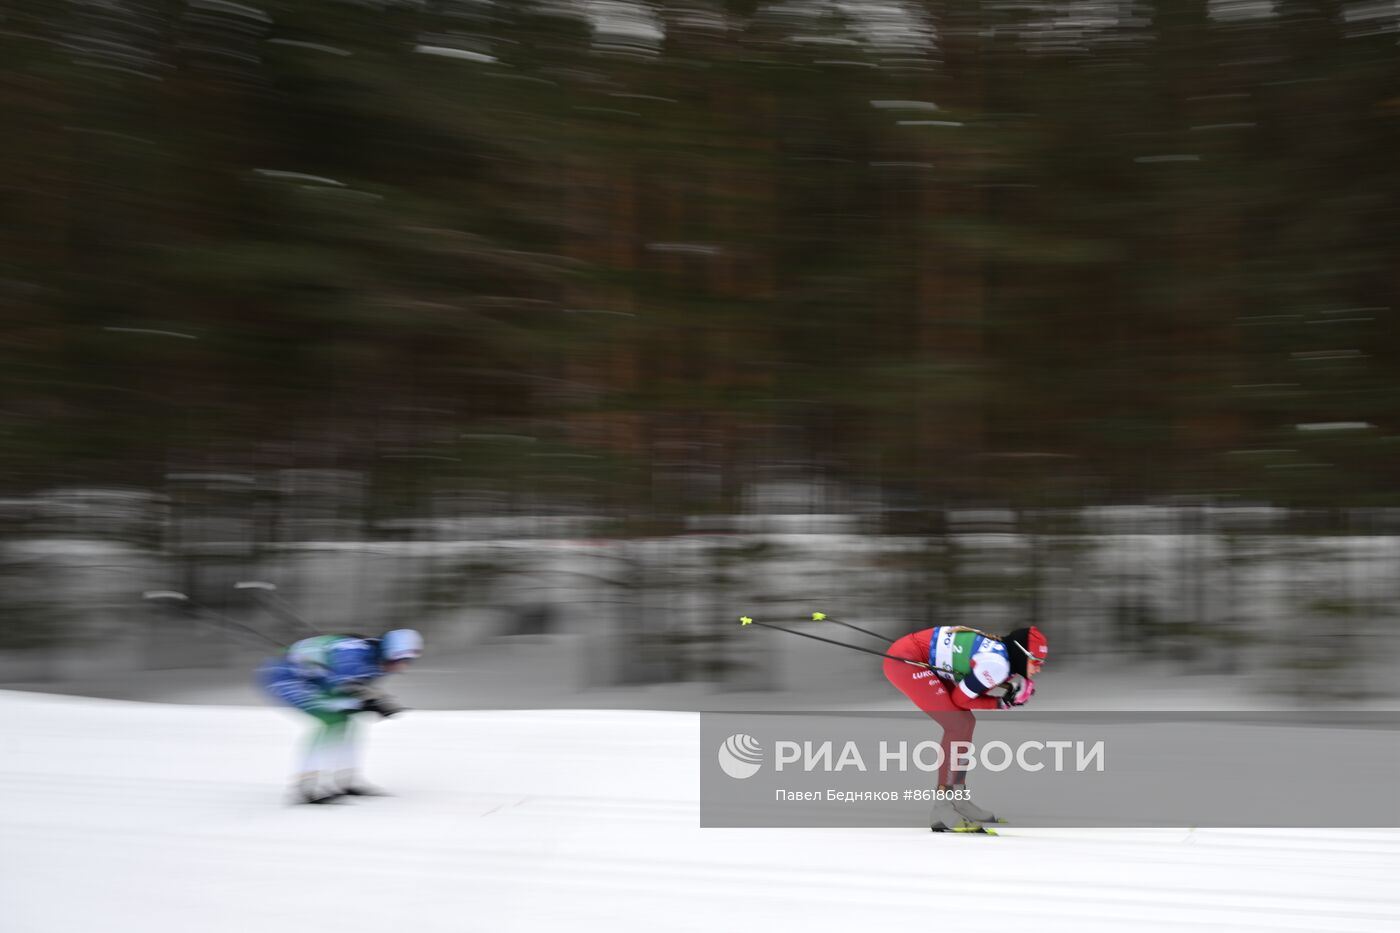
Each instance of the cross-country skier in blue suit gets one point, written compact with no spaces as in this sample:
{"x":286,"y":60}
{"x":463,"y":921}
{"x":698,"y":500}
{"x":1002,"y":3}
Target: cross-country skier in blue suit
{"x":330,"y":678}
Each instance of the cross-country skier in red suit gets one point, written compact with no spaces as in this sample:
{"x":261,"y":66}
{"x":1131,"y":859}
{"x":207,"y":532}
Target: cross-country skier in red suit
{"x":964,"y":667}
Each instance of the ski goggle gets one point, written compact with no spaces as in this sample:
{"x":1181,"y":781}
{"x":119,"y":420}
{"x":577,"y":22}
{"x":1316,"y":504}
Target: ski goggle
{"x":1034,"y":657}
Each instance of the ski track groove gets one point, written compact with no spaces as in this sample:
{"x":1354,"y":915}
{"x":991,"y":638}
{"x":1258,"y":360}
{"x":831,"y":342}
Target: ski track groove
{"x":697,"y":879}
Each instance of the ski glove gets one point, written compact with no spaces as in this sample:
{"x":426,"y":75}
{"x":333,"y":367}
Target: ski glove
{"x":385,"y":706}
{"x":1018,"y":696}
{"x":368,"y":699}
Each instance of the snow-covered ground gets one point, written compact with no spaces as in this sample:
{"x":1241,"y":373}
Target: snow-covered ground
{"x":118,"y":816}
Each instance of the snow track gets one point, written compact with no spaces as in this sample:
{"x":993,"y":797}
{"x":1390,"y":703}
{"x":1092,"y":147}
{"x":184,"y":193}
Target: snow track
{"x":120,"y":817}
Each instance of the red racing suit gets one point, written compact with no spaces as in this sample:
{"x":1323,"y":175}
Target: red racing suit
{"x":943,"y":700}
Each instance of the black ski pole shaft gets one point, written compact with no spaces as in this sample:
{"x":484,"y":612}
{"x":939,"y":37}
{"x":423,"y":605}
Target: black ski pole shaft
{"x":823,"y":617}
{"x":745,"y":620}
{"x":265,"y":594}
{"x":209,"y":614}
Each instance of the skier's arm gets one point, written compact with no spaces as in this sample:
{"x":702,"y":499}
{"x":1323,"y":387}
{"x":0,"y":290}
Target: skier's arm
{"x":989,"y":670}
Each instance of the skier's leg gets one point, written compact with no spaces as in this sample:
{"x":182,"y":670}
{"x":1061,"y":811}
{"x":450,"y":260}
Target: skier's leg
{"x":957,"y":730}
{"x":957,"y":727}
{"x":930,"y":693}
{"x":347,"y":772}
{"x":345,"y":755}
{"x":319,"y":755}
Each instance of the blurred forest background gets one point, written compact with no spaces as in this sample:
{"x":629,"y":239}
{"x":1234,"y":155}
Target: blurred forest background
{"x":952,"y":281}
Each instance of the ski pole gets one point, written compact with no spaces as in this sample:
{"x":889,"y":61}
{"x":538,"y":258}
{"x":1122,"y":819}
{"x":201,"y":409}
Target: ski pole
{"x":177,"y":597}
{"x":823,"y":617}
{"x":266,"y":595}
{"x":745,"y":620}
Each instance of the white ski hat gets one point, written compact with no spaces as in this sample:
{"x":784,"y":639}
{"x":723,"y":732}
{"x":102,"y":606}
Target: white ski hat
{"x":400,"y":644}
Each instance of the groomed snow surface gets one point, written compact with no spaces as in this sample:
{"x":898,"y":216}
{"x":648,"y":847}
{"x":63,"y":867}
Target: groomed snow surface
{"x":118,"y":816}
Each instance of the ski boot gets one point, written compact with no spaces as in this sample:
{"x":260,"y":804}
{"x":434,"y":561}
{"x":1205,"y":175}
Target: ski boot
{"x":351,"y":785}
{"x":971,"y":811}
{"x":946,"y":819}
{"x":311,"y":792}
